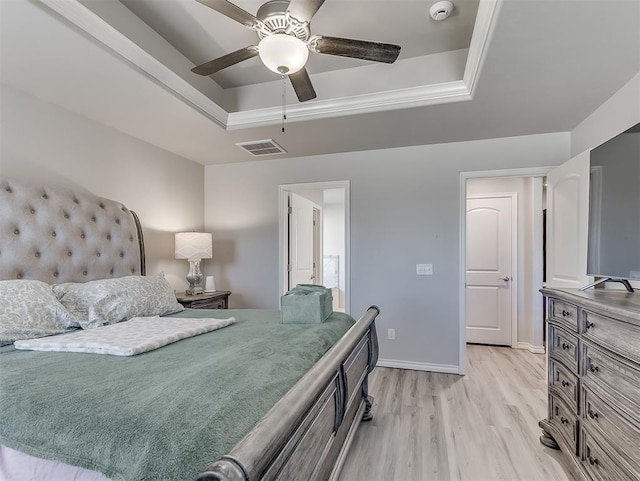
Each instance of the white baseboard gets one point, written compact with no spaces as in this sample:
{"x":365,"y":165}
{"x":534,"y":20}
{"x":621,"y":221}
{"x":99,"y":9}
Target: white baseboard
{"x":419,"y":366}
{"x":531,"y":348}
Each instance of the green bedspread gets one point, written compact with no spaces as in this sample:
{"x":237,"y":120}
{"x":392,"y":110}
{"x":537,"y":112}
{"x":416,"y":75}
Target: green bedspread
{"x":163,"y":415}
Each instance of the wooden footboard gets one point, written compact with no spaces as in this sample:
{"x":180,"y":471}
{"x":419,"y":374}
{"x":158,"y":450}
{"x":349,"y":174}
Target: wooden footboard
{"x":305,"y":435}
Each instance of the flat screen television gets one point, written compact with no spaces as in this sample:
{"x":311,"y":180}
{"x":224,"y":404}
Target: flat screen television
{"x":614,"y":209}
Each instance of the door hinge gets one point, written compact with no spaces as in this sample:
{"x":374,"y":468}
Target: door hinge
{"x":290,"y":210}
{"x":288,"y":267}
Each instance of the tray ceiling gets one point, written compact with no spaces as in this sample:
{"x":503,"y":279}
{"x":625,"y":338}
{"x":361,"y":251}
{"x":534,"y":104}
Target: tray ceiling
{"x":166,"y":38}
{"x":126,"y":64}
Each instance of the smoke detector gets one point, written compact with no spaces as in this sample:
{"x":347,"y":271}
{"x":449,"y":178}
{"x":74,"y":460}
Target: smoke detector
{"x":441,"y":10}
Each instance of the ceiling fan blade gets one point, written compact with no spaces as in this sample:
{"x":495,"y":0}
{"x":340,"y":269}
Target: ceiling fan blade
{"x":346,"y":47}
{"x":225,"y":61}
{"x":302,"y":85}
{"x":233,"y":12}
{"x":304,"y":10}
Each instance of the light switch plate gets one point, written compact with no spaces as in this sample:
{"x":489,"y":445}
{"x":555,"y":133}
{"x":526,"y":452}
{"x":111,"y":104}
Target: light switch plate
{"x":424,"y":269}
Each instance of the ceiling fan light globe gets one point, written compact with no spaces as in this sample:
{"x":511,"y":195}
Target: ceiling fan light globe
{"x":282,"y":53}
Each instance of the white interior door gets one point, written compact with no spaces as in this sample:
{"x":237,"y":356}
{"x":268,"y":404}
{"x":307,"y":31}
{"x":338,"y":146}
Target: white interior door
{"x":567,"y":223}
{"x":301,"y":241}
{"x":489,"y":273}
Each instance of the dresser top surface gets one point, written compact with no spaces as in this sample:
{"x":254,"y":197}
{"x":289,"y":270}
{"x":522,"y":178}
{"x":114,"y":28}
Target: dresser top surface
{"x":610,"y":302}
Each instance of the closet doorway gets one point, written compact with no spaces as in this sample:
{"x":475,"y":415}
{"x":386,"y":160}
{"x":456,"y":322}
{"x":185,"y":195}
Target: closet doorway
{"x":527,"y":316}
{"x":314,"y":238}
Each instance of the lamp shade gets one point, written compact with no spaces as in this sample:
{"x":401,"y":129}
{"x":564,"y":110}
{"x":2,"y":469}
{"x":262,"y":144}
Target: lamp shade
{"x":194,"y":245}
{"x":282,"y":53}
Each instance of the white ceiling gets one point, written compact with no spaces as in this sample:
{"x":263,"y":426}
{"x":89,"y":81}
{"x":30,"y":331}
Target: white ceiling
{"x":534,"y":66}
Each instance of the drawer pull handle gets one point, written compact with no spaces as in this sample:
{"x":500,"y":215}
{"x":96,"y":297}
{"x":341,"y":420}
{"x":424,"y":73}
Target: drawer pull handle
{"x":565,"y":313}
{"x":593,"y":414}
{"x":565,"y":383}
{"x":566,"y":346}
{"x":593,"y":368}
{"x":564,"y":420}
{"x":593,"y":461}
{"x":589,"y":325}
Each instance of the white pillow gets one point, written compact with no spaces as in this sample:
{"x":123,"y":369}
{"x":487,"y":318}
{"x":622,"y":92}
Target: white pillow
{"x":107,"y":301}
{"x":29,"y":309}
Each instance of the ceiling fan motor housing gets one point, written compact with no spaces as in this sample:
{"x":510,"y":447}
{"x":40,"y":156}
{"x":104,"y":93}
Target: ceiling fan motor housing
{"x":276,"y":19}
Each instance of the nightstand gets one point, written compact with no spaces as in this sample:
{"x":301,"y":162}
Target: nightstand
{"x":207,"y":300}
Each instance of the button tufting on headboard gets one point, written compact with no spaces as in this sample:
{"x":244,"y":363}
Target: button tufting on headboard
{"x":57,"y":235}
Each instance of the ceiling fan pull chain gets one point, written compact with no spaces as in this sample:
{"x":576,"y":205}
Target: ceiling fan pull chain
{"x":284,"y":100}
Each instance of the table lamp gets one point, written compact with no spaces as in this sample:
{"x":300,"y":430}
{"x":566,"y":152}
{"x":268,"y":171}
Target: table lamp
{"x":194,"y":246}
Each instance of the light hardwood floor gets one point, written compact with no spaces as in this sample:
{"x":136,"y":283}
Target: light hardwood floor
{"x":478,"y":427}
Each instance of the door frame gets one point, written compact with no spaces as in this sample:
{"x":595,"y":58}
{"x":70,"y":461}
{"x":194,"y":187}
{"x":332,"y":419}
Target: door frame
{"x":514,"y":257}
{"x":283,"y":195}
{"x":462,"y":247}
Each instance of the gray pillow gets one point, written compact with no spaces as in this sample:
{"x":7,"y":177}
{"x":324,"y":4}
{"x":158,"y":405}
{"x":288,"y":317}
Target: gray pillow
{"x":29,"y":309}
{"x":108,"y":301}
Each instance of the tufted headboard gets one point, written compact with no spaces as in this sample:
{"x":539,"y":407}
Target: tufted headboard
{"x":58,"y":235}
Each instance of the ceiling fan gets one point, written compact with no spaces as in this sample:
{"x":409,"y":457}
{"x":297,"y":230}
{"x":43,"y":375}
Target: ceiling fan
{"x":286,"y":40}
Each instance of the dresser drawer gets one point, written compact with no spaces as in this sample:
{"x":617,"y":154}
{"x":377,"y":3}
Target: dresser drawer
{"x":598,"y":415}
{"x":597,"y":462}
{"x":565,"y":384}
{"x":618,"y":336}
{"x":563,"y":346}
{"x":565,"y":421}
{"x":601,"y":372}
{"x":565,"y":313}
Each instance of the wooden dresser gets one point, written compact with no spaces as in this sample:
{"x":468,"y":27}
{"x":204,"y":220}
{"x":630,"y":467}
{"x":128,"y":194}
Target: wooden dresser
{"x":593,"y":359}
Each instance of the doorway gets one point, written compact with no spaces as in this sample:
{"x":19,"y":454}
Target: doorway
{"x":322,"y":240}
{"x":527,"y":322}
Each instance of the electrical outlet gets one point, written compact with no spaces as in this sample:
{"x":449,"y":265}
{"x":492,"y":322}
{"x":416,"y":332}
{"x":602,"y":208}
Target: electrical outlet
{"x":424,"y":269}
{"x":391,"y":334}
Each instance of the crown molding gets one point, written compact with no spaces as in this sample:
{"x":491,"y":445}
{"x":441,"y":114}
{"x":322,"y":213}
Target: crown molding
{"x":456,"y":91}
{"x":358,"y":104}
{"x":482,"y":33}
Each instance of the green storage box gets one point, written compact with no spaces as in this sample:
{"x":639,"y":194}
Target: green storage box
{"x":306,"y":304}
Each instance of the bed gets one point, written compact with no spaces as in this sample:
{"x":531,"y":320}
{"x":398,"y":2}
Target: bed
{"x":293,"y":420}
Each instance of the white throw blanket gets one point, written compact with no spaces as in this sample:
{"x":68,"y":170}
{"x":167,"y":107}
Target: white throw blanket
{"x":135,"y":336}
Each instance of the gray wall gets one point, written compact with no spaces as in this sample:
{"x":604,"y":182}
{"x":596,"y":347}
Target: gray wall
{"x":404,"y":210}
{"x":617,"y":114}
{"x":44,"y":143}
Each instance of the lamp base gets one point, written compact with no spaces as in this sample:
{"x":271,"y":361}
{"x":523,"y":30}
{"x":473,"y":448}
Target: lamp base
{"x":193,"y":290}
{"x":194,"y":278}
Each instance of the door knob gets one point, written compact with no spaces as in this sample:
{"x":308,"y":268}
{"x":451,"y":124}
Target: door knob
{"x":505,"y":278}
